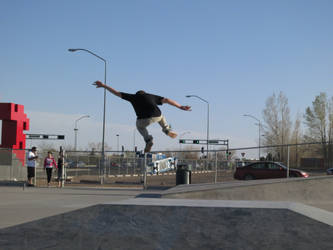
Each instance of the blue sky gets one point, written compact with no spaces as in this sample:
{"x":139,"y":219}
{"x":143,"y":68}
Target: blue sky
{"x":235,"y":54}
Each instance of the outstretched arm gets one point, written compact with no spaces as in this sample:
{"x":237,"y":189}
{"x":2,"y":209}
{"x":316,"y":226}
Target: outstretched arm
{"x":176,"y":104}
{"x":99,"y":84}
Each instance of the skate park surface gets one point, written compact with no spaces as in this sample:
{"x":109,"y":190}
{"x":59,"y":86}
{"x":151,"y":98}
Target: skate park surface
{"x":279,"y":214}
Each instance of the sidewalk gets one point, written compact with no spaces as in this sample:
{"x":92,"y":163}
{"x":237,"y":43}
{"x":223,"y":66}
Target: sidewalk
{"x":19,"y":206}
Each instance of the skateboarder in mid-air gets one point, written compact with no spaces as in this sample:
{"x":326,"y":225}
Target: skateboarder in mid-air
{"x":147,"y":112}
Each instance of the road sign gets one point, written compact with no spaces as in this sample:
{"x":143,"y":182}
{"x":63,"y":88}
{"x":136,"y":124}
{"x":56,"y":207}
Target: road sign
{"x":44,"y":137}
{"x":204,"y":142}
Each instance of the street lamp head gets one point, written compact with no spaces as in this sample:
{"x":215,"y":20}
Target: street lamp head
{"x":72,"y":50}
{"x":84,"y":116}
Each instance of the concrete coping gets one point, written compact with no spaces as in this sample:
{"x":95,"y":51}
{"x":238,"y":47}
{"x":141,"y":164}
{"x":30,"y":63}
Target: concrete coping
{"x":211,"y":186}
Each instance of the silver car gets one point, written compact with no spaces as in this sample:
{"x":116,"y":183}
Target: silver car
{"x":329,"y":171}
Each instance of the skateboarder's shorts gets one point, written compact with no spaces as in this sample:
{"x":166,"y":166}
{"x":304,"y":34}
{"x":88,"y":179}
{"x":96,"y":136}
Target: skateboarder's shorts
{"x":31,"y":172}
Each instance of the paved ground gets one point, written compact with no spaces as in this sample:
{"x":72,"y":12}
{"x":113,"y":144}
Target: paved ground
{"x":117,"y":218}
{"x":142,"y":224}
{"x":19,"y":206}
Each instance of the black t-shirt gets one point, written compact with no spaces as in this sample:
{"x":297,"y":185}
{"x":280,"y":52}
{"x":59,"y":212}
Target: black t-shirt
{"x":145,"y":105}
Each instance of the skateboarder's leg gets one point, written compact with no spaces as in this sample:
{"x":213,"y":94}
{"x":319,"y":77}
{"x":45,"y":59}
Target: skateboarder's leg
{"x":166,"y":128}
{"x":141,"y":125}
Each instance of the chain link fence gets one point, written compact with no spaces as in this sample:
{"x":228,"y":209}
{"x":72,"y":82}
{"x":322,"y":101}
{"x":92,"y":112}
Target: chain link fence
{"x":131,"y":168}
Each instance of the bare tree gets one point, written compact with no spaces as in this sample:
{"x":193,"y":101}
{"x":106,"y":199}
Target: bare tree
{"x":319,"y":123}
{"x":224,"y":155}
{"x":296,"y":137}
{"x":190,"y":155}
{"x":330,"y":132}
{"x":92,"y":146}
{"x":277,"y":124}
{"x":44,"y":147}
{"x":271,"y":118}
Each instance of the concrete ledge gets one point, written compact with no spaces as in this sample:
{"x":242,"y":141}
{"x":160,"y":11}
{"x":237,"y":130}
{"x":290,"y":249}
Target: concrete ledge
{"x":292,"y":189}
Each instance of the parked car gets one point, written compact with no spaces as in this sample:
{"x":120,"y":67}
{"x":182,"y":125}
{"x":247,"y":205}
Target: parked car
{"x":329,"y":171}
{"x":266,"y":170}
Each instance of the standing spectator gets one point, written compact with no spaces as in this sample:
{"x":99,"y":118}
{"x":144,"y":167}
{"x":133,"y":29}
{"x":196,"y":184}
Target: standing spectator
{"x":60,"y":168}
{"x":31,"y":164}
{"x":49,"y":162}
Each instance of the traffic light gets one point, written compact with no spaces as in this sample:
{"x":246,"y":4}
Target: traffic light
{"x":122,"y":148}
{"x":195,"y":141}
{"x":181,"y":141}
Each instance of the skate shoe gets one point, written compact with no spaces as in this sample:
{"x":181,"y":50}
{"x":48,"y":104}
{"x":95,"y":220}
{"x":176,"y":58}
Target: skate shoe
{"x":172,"y":134}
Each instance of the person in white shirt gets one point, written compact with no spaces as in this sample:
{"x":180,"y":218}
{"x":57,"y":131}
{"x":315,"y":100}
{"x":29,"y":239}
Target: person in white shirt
{"x":31,"y":164}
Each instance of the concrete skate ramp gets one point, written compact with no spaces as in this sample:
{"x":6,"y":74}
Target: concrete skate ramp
{"x":171,"y":227}
{"x":315,"y":191}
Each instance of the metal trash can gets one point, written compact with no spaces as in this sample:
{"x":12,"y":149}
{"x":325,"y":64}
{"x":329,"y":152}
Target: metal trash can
{"x":183,"y":174}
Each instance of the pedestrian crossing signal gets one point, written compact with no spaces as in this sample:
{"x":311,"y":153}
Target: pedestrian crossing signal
{"x":195,"y":141}
{"x":181,"y":141}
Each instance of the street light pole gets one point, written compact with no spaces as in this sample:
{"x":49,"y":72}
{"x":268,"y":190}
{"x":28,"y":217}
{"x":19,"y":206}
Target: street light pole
{"x":259,"y":125}
{"x":134,"y":140}
{"x":117,"y":143}
{"x":207,"y":120}
{"x":104,"y":105}
{"x":76,"y":129}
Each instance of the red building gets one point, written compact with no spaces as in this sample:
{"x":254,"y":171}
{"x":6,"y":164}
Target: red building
{"x":14,"y":122}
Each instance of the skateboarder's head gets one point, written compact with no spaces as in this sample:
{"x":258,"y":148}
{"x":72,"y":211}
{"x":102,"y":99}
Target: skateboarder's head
{"x":140,"y":92}
{"x":33,"y":149}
